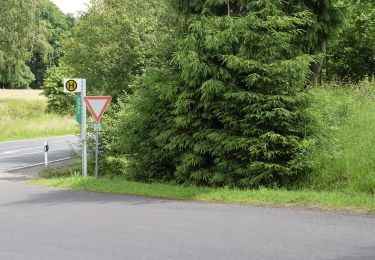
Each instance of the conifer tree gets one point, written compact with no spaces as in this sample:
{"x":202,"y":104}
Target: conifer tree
{"x":235,"y":108}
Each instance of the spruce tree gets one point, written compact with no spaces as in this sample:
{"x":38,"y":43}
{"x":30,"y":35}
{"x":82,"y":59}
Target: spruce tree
{"x":234,"y":112}
{"x":240,"y":116}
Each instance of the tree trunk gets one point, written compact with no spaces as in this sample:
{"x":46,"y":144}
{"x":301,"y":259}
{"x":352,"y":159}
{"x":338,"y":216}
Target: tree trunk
{"x":316,"y":68}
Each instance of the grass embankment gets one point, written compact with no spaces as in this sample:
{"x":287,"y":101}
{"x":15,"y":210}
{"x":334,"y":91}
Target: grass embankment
{"x":343,"y":159}
{"x":23,"y":116}
{"x":302,"y":198}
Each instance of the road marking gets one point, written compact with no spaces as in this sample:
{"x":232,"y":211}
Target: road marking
{"x":16,"y":151}
{"x":33,"y":148}
{"x":22,"y":155}
{"x":42,"y":138}
{"x":9,"y":147}
{"x":38,"y":164}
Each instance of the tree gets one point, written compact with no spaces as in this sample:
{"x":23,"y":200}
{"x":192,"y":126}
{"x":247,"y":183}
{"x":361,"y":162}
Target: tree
{"x":230,"y":109}
{"x":328,"y":17}
{"x":21,"y":31}
{"x":57,"y":26}
{"x":111,"y":43}
{"x":351,"y":57}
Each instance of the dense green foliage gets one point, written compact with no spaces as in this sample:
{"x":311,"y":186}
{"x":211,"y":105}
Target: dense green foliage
{"x":328,"y":17}
{"x":20,"y":23}
{"x":234,"y":112}
{"x":58,"y":26}
{"x":109,"y":46}
{"x":352,"y":56}
{"x":58,"y":101}
{"x":214,"y":92}
{"x":112,"y":42}
{"x":31,"y":34}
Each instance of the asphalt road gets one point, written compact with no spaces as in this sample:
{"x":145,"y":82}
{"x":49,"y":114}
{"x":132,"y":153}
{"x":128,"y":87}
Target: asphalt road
{"x":18,"y":154}
{"x":40,"y":223}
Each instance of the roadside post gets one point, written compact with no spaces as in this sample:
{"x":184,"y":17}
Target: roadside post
{"x":46,"y":149}
{"x":97,"y":106}
{"x":79,"y":86}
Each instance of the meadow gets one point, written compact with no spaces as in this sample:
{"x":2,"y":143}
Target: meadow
{"x":23,"y":116}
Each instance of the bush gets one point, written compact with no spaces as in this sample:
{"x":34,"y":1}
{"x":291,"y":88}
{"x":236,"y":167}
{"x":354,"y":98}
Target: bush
{"x":58,"y":101}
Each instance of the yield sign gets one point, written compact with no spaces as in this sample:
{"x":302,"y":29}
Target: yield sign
{"x":97,"y":105}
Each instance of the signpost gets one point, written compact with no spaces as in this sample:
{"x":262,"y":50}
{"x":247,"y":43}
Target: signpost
{"x":79,"y":109}
{"x":79,"y":86}
{"x":97,"y":106}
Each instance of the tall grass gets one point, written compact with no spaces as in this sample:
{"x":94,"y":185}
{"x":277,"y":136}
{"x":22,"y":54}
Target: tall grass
{"x":344,"y":156}
{"x":23,"y":115}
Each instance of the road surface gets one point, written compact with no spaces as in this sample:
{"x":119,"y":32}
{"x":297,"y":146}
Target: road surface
{"x":18,"y":154}
{"x":43,"y":223}
{"x":40,"y":223}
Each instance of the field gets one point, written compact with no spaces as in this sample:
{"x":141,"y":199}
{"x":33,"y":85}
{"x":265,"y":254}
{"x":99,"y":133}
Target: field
{"x":23,"y":116}
{"x":25,"y":94}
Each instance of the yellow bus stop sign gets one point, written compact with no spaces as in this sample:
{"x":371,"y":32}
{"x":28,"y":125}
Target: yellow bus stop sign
{"x":71,"y":85}
{"x":74,"y":85}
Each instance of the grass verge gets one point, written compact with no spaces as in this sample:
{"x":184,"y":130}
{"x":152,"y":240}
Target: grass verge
{"x":344,"y":156}
{"x":357,"y":203}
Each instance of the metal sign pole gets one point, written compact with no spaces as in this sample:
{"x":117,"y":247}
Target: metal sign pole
{"x":97,"y":132}
{"x":97,"y":155}
{"x":84,"y":132}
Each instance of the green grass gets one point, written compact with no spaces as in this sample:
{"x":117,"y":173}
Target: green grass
{"x":24,"y":118}
{"x":344,"y":157}
{"x":268,"y":197}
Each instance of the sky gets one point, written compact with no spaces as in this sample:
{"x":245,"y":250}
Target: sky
{"x":72,"y":6}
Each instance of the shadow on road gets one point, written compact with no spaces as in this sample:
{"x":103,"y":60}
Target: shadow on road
{"x":61,"y":197}
{"x":363,"y":253}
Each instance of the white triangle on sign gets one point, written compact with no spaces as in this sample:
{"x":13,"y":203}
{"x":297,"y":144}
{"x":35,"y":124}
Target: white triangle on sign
{"x":97,"y":105}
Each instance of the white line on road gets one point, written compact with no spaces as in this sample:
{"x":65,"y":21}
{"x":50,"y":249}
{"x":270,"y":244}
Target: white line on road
{"x":42,"y":138}
{"x":20,"y":155}
{"x":20,"y":150}
{"x":33,"y":148}
{"x":38,"y":164}
{"x":9,"y":147}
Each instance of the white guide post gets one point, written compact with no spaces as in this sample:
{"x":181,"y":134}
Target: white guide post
{"x":46,"y":148}
{"x":84,"y":131}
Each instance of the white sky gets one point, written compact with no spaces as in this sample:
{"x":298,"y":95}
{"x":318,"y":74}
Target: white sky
{"x":72,"y":6}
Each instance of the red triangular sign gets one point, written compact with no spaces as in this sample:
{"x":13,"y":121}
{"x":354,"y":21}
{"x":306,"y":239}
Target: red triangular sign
{"x":97,"y":105}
